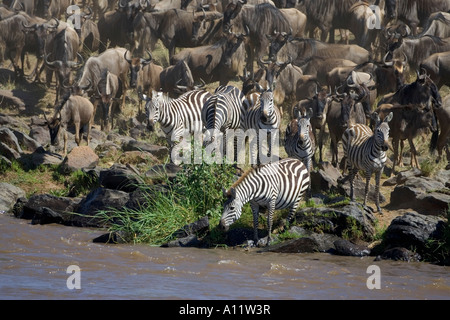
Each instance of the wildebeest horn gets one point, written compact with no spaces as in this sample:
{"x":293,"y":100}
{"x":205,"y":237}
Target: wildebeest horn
{"x":86,"y":86}
{"x":264,"y":62}
{"x":55,"y":26}
{"x":64,"y":85}
{"x":125,"y":57}
{"x":122,"y":5}
{"x":199,"y":86}
{"x":387,"y":63}
{"x":53,"y":64}
{"x":29,"y":27}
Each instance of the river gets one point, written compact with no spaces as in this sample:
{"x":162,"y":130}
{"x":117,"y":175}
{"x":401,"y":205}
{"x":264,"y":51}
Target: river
{"x":34,"y":262}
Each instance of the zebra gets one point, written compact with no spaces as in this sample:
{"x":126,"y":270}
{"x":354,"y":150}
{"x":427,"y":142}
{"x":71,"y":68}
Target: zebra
{"x":176,"y":115}
{"x":277,"y":185}
{"x":222,"y":111}
{"x":262,"y":113}
{"x":366,"y":150}
{"x":299,"y":141}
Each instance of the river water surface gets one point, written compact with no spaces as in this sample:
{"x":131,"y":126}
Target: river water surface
{"x":34,"y":260}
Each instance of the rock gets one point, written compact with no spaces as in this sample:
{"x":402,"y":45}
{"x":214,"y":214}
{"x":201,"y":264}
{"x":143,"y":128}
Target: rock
{"x":443,"y":176}
{"x":162,"y":171}
{"x":12,"y":122}
{"x":42,"y":157}
{"x":33,"y":208}
{"x":80,"y":158}
{"x":359,"y":186}
{"x":160,"y":152}
{"x":8,"y":196}
{"x":422,"y":194}
{"x":239,"y":236}
{"x":399,"y":254}
{"x":8,"y":152}
{"x":413,"y":231}
{"x":116,"y":237}
{"x":26,"y":141}
{"x":401,"y":177}
{"x":341,"y":220}
{"x":326,"y":178}
{"x":119,"y":177}
{"x":100,"y":199}
{"x":8,"y":138}
{"x":189,"y":241}
{"x":300,"y":245}
{"x":347,"y":248}
{"x":196,"y":227}
{"x":40,"y":134}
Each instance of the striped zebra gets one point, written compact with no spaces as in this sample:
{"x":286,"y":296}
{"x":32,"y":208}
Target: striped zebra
{"x":275,"y":186}
{"x":222,"y":111}
{"x":299,"y":140}
{"x":366,"y":150}
{"x":262,"y":113}
{"x":176,"y":115}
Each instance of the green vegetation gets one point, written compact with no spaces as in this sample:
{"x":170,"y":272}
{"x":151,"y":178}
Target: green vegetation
{"x":195,"y":192}
{"x":438,"y":250}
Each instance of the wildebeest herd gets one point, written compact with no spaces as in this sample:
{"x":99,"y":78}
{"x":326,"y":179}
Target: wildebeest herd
{"x":355,"y":89}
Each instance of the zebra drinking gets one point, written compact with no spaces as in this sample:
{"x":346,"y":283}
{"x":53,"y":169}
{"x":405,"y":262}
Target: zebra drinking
{"x":275,"y":186}
{"x":366,"y":150}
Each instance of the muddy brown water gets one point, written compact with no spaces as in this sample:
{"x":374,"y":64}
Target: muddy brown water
{"x":34,"y":261}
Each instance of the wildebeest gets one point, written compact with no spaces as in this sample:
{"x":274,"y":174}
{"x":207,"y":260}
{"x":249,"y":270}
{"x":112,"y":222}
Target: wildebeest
{"x":414,"y":12}
{"x":422,"y":91}
{"x":136,"y":64}
{"x":89,"y":34}
{"x":65,"y":46}
{"x":12,"y":39}
{"x":109,"y":90}
{"x":72,"y":109}
{"x":418,"y":49}
{"x":115,"y":27}
{"x":220,"y":61}
{"x":112,"y":60}
{"x":282,"y":48}
{"x":256,"y":20}
{"x":441,"y":139}
{"x":437,"y":66}
{"x":408,"y":121}
{"x":177,"y":75}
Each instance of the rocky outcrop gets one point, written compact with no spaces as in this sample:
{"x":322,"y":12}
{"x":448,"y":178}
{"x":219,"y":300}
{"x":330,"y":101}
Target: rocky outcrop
{"x":9,"y":195}
{"x":78,"y":158}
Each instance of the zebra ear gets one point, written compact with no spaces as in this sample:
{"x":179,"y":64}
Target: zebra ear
{"x":225,"y":192}
{"x":389,"y":117}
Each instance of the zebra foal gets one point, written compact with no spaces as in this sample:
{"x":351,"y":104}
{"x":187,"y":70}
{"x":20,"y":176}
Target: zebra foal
{"x":263,"y":114}
{"x":275,"y":186}
{"x":366,"y":150}
{"x":299,"y":139}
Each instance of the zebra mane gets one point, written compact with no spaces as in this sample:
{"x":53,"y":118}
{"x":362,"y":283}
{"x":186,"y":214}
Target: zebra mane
{"x":160,"y":96}
{"x":241,"y":178}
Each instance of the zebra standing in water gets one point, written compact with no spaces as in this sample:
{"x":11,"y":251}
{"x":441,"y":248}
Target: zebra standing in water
{"x":366,"y":150}
{"x":176,"y":115}
{"x":275,"y":186}
{"x":222,"y":111}
{"x":299,"y":140}
{"x":263,"y":114}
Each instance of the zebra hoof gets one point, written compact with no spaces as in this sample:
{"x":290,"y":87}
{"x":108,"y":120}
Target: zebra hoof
{"x":263,"y":242}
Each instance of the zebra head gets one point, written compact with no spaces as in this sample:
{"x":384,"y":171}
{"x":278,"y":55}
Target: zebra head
{"x":266,"y":105}
{"x":382,"y":131}
{"x":232,"y":209}
{"x":304,"y":128}
{"x":152,"y":110}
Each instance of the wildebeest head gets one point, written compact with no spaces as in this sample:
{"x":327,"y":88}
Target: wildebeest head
{"x":277,"y":41}
{"x":319,"y":102}
{"x":54,"y":125}
{"x":391,"y":9}
{"x":136,"y":64}
{"x":233,"y":43}
{"x":41,"y":33}
{"x":230,"y":13}
{"x":427,"y":90}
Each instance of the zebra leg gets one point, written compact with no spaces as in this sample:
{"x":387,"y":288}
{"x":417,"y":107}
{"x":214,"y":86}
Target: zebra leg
{"x":255,"y":211}
{"x":351,"y":175}
{"x":271,"y":210}
{"x":377,"y":190}
{"x":366,"y":189}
